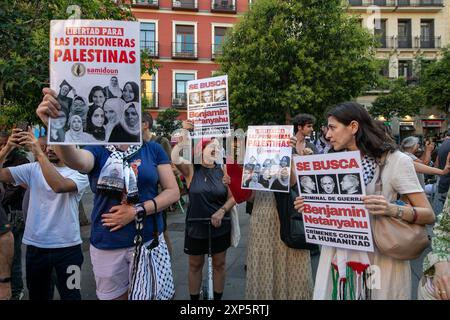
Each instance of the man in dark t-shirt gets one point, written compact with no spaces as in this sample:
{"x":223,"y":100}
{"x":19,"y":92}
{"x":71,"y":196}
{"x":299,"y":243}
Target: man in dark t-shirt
{"x":444,"y":181}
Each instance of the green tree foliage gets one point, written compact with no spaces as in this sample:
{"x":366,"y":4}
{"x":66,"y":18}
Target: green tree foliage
{"x":24,"y":48}
{"x":167,"y":122}
{"x":292,"y":56}
{"x":435,"y":82}
{"x":402,"y":100}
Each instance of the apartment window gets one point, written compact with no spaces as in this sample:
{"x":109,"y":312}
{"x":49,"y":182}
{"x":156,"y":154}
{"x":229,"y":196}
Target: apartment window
{"x":384,"y":69}
{"x":223,"y":5}
{"x":179,"y":97}
{"x":184,"y":46}
{"x":219,"y":36}
{"x":404,"y":34}
{"x":427,"y":34}
{"x":148,"y":38}
{"x":405,"y":68}
{"x":148,"y":85}
{"x":380,"y":32}
{"x":355,"y":2}
{"x":184,"y":4}
{"x":404,"y":3}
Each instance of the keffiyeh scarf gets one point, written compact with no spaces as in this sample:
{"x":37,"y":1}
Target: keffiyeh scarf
{"x":349,"y":268}
{"x":116,"y":177}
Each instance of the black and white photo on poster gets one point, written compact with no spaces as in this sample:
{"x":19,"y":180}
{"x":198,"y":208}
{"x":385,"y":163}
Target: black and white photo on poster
{"x":208,"y":107}
{"x":332,"y":188}
{"x":267,"y":161}
{"x":95,"y":71}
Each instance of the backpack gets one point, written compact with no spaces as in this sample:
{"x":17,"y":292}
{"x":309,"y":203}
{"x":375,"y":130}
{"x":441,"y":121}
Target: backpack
{"x":292,"y":230}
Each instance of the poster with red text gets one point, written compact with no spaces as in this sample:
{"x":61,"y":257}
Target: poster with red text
{"x":208,"y":107}
{"x":332,"y":186}
{"x":95,"y":71}
{"x":267,"y":162}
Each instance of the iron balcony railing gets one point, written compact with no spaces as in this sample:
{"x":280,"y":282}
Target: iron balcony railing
{"x":152,"y":99}
{"x":152,"y":47}
{"x":395,"y":3}
{"x":216,"y":51}
{"x":147,"y":3}
{"x":223,"y":6}
{"x":184,"y":5}
{"x":184,"y":50}
{"x":179,"y":100}
{"x":429,"y":42}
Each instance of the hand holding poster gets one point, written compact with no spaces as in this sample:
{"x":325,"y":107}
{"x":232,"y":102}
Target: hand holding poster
{"x":267,"y":163}
{"x":208,"y":107}
{"x":332,"y":186}
{"x":95,"y":70}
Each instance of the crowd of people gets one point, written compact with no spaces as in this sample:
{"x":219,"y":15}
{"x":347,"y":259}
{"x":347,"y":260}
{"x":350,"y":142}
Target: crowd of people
{"x":37,"y":180}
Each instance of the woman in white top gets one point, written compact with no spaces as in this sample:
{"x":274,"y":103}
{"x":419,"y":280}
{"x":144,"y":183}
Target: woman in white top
{"x":350,"y":129}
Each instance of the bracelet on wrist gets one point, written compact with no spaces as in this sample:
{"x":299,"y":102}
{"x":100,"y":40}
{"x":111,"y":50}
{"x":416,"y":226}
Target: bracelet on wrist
{"x":399,"y":214}
{"x":414,"y":213}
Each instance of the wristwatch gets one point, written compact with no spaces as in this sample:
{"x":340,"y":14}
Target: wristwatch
{"x":399,"y":212}
{"x":140,"y":211}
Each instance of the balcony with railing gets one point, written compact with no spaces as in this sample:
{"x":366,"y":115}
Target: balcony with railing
{"x":398,"y":5}
{"x":223,"y":6}
{"x":179,"y":100}
{"x":428,"y":42}
{"x":184,"y":50}
{"x":145,"y":3}
{"x":385,"y":42}
{"x":216,"y":51}
{"x":404,"y":42}
{"x":150,"y":100}
{"x":152,"y":47}
{"x":368,"y":3}
{"x":188,"y":5}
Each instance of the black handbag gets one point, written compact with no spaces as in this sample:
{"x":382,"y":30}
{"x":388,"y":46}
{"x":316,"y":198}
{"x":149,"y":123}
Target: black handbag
{"x":292,"y":231}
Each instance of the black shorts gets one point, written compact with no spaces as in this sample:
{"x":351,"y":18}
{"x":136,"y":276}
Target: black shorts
{"x":4,"y":223}
{"x":195,"y":247}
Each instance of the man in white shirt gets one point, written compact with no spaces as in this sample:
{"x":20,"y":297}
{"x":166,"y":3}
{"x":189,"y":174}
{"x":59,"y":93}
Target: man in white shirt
{"x":52,"y":230}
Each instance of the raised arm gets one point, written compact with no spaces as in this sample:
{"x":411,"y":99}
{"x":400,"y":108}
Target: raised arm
{"x":73,"y":157}
{"x":55,"y":180}
{"x":422,"y":168}
{"x":5,"y":174}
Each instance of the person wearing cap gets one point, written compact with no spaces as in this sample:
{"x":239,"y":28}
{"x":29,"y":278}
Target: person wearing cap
{"x":63,"y":99}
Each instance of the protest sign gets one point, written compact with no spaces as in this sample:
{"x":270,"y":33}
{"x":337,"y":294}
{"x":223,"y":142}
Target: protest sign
{"x":267,"y":162}
{"x":208,"y":107}
{"x":332,"y":186}
{"x":95,"y":70}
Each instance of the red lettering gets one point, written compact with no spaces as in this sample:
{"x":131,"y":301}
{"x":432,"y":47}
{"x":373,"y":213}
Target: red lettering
{"x":132,"y":57}
{"x":303,"y":166}
{"x":335,"y":164}
{"x":57,"y":53}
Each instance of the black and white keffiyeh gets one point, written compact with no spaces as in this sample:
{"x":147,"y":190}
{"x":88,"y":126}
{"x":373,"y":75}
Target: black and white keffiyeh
{"x":116,"y":176}
{"x":369,"y":166}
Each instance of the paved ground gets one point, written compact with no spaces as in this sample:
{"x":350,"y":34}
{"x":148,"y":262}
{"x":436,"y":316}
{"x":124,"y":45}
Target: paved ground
{"x":235,"y":273}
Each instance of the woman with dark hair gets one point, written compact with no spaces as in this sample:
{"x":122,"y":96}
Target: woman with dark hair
{"x":95,"y":123}
{"x":387,"y":173}
{"x":130,"y":92}
{"x":97,"y":97}
{"x":79,"y":108}
{"x":128,"y":129}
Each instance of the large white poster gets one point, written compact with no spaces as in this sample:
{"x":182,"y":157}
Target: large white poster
{"x":208,"y":107}
{"x":267,"y":163}
{"x":332,"y":186}
{"x":95,"y":70}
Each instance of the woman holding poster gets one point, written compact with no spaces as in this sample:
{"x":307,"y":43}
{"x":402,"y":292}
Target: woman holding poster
{"x":274,"y":271}
{"x":352,"y":129}
{"x":209,"y":197}
{"x":117,"y":203}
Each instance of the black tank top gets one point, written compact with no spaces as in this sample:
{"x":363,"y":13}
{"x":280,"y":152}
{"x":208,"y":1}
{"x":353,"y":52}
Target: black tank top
{"x":207,"y":194}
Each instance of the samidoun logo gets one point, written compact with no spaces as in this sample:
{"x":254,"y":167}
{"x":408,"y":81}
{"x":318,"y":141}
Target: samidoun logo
{"x":78,"y":70}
